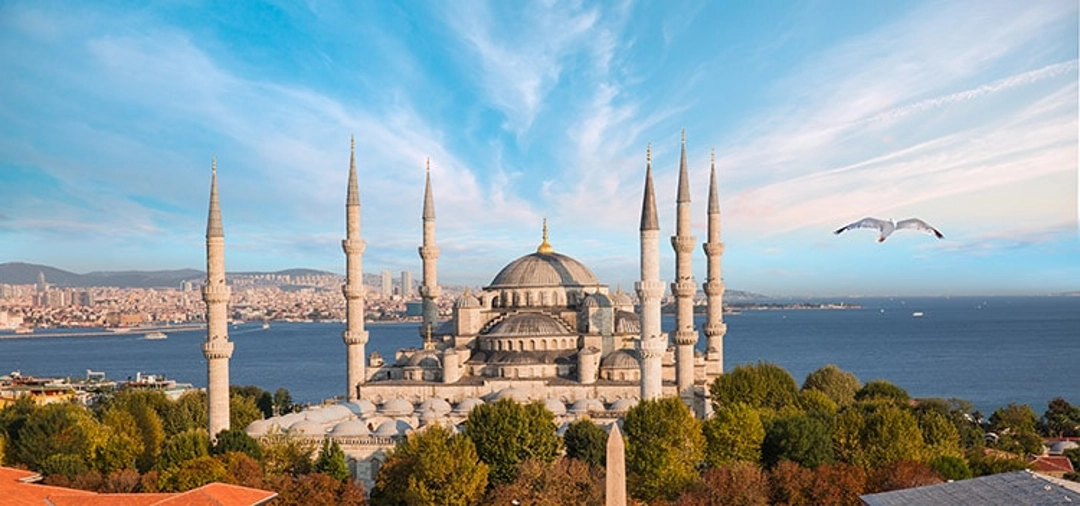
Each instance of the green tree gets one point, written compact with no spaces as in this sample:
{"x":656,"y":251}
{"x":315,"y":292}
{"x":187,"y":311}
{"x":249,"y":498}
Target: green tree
{"x":123,"y":444}
{"x":12,"y":418}
{"x":815,"y":401}
{"x":802,"y":438}
{"x":236,"y":440}
{"x":242,"y":411}
{"x":188,"y":412}
{"x":287,"y":455}
{"x":431,"y":468}
{"x":182,"y":447}
{"x":506,"y":433}
{"x":882,"y":390}
{"x":331,"y":461}
{"x":1061,"y":419}
{"x":664,"y":446}
{"x":763,"y":385}
{"x":586,"y":442}
{"x":834,"y":382}
{"x":57,"y":429}
{"x":951,"y":467}
{"x":283,"y":402}
{"x":734,"y":433}
{"x":1014,"y":418}
{"x":192,"y":473}
{"x":939,"y":434}
{"x":870,"y":435}
{"x":64,"y":464}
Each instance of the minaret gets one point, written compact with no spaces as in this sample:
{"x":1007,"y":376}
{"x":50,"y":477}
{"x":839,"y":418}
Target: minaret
{"x":355,"y":336}
{"x":714,"y":286}
{"x":429,"y":253}
{"x":684,"y":288}
{"x":653,"y":343}
{"x":217,"y":349}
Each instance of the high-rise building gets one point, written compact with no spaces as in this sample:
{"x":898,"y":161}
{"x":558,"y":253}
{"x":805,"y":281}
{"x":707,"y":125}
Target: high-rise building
{"x":387,"y":283}
{"x":406,"y":284}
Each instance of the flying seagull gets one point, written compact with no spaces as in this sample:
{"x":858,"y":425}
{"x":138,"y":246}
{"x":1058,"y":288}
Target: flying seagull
{"x":887,"y":227}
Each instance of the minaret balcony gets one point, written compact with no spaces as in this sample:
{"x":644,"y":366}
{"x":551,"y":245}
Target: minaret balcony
{"x":217,"y":349}
{"x":713,"y":248}
{"x":430,"y":292}
{"x":683,"y":243}
{"x":715,"y":329}
{"x":353,"y":246}
{"x":216,"y":293}
{"x":653,"y":347}
{"x":684,"y":288}
{"x":713,"y":288}
{"x":649,"y":289}
{"x":429,"y":252}
{"x":685,"y":337}
{"x":352,"y":292}
{"x":357,"y":337}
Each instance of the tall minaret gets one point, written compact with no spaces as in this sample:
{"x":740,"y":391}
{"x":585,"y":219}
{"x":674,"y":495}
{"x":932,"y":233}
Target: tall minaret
{"x":429,"y":253}
{"x":653,"y":343}
{"x":684,"y":287}
{"x":217,"y":349}
{"x":714,"y":286}
{"x":355,"y":336}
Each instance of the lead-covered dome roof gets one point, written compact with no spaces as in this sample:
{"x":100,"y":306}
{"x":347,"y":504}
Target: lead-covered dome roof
{"x":530,"y":325}
{"x":544,"y":270}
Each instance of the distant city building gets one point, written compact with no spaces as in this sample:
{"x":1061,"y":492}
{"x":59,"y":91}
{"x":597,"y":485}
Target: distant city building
{"x":406,"y":285}
{"x":387,"y":283}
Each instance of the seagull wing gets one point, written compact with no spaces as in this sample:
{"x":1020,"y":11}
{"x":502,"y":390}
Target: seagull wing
{"x":868,"y":222}
{"x":917,"y":224}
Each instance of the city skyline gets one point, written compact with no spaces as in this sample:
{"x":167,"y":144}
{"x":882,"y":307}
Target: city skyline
{"x":962,"y":113}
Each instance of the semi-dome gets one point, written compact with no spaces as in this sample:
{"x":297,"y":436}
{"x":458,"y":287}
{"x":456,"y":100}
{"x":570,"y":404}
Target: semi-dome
{"x":555,"y":406}
{"x":392,"y":428}
{"x":585,"y":406}
{"x":544,"y":270}
{"x":530,"y":325}
{"x":621,"y":359}
{"x":439,"y":406}
{"x":362,"y":407}
{"x":397,"y":407}
{"x":623,"y":405}
{"x":466,"y":406}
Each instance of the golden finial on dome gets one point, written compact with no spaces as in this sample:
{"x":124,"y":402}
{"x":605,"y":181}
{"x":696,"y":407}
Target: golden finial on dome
{"x":428,"y":343}
{"x":545,"y":246}
{"x":648,"y":153}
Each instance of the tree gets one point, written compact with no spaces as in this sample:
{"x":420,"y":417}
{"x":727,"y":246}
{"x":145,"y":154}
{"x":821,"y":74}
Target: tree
{"x":586,"y":442}
{"x":834,"y":382}
{"x":316,"y":488}
{"x":664,"y":446}
{"x":939,"y":434}
{"x":506,"y":433}
{"x":815,"y":401}
{"x":123,"y":444}
{"x":55,"y":430}
{"x":331,"y":461}
{"x":243,"y":411}
{"x":236,"y":440}
{"x":735,"y":484}
{"x":873,"y":434}
{"x":763,"y":385}
{"x":191,"y":474}
{"x":182,"y":447}
{"x":900,"y":475}
{"x":431,"y":467}
{"x":734,"y":433}
{"x":802,"y":438}
{"x":242,"y":469}
{"x":789,"y":484}
{"x":984,"y":462}
{"x":1014,"y":418}
{"x":950,"y":467}
{"x":283,"y":402}
{"x":882,"y":390}
{"x":121,"y":481}
{"x":1061,"y":419}
{"x":186,"y":413}
{"x":837,"y":485}
{"x":566,"y":481}
{"x":287,"y":455}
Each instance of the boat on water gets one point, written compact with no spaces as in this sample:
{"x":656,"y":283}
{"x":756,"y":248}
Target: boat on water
{"x":266,"y":325}
{"x":118,"y":330}
{"x":153,"y":336}
{"x":917,"y":314}
{"x":22,"y":330}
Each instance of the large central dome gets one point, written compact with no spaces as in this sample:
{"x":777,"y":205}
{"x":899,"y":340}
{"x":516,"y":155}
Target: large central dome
{"x":544,"y":269}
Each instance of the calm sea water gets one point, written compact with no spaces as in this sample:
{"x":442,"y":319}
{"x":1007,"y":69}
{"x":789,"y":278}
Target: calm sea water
{"x":989,"y":351}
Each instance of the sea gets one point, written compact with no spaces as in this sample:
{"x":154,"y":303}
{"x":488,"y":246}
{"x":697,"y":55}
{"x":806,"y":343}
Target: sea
{"x":989,"y":351}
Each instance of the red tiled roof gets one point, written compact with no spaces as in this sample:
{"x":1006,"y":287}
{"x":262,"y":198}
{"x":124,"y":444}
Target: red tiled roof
{"x":17,"y":488}
{"x":1051,"y":464}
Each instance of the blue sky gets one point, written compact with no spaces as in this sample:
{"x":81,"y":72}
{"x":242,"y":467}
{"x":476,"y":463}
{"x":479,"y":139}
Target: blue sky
{"x":820,"y":113}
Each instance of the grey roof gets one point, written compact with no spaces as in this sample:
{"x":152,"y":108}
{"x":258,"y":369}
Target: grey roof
{"x":648,"y":203}
{"x":1019,"y":488}
{"x":531,"y":325}
{"x":213,"y":220}
{"x":544,"y":270}
{"x":352,"y":195}
{"x":684,"y":183}
{"x":429,"y":201}
{"x":714,"y":201}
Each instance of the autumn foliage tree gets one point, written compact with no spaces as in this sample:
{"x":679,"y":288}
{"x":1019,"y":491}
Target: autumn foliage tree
{"x":565,"y":481}
{"x":664,"y":446}
{"x":734,"y":433}
{"x":834,"y":382}
{"x":431,"y":468}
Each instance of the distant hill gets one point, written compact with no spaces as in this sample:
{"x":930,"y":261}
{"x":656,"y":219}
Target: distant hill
{"x":19,"y":273}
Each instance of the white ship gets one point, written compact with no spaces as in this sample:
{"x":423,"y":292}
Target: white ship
{"x":153,"y":336}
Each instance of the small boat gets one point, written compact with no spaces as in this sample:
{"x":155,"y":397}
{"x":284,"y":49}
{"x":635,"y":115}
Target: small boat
{"x":153,"y":336}
{"x":24,"y":330}
{"x":266,"y":325}
{"x":916,"y":314}
{"x":118,"y":330}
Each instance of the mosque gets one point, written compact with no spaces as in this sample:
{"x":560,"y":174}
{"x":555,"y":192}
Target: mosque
{"x":544,"y":329}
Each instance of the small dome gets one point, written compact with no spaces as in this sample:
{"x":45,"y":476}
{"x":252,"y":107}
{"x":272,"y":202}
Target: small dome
{"x":289,"y":419}
{"x":430,"y":416}
{"x":307,"y":428}
{"x":620,"y":298}
{"x":514,"y":394}
{"x":328,"y":414}
{"x":622,"y":405}
{"x":362,"y":407}
{"x":621,"y":359}
{"x":467,"y":301}
{"x":530,"y":325}
{"x":597,"y":300}
{"x":439,"y":406}
{"x":260,"y":428}
{"x":585,"y":406}
{"x":1059,"y":447}
{"x":555,"y":406}
{"x":426,"y":359}
{"x":351,"y":428}
{"x":544,"y":270}
{"x":466,"y":406}
{"x":392,"y":428}
{"x":627,"y":323}
{"x":397,"y":407}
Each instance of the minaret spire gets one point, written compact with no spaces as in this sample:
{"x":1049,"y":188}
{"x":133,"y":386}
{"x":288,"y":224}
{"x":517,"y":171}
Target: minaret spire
{"x":545,"y":247}
{"x":652,"y":343}
{"x":217,"y":349}
{"x":354,"y":336}
{"x":429,"y":253}
{"x":684,"y":287}
{"x":714,"y":286}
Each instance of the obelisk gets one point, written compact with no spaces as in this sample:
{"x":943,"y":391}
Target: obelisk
{"x":616,"y":468}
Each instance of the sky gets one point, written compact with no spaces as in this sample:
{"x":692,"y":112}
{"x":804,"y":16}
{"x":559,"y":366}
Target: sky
{"x":963,"y":114}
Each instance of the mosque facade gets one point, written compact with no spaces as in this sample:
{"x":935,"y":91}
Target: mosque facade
{"x":544,"y":329}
